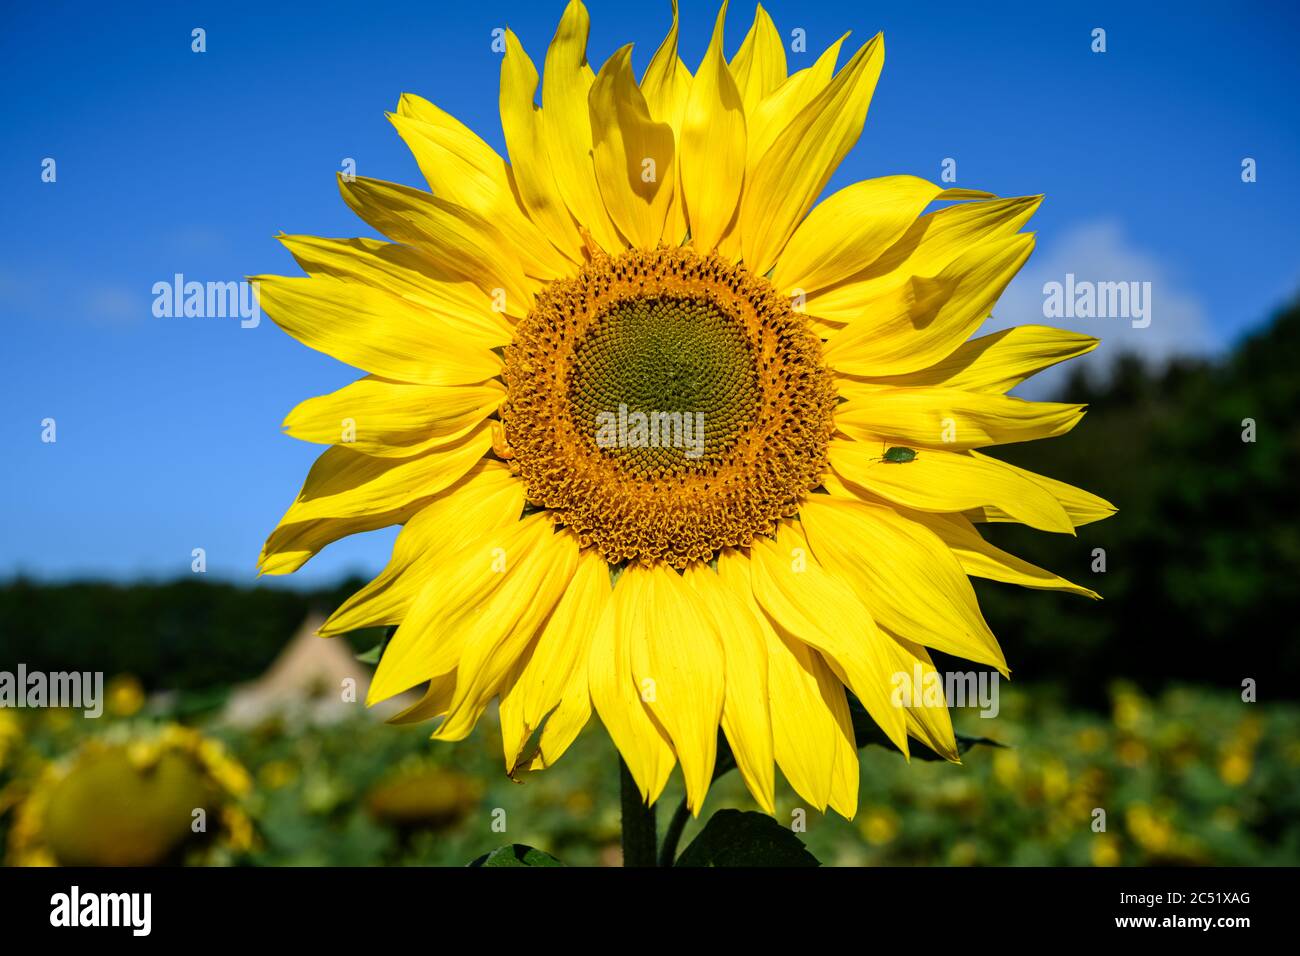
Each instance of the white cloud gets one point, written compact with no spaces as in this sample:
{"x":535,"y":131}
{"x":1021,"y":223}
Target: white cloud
{"x":197,"y":239}
{"x":107,"y":305}
{"x":1100,"y":252}
{"x":114,"y":306}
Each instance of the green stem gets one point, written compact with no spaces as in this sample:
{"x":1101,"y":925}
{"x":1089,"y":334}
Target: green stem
{"x":639,"y":836}
{"x":674,"y":833}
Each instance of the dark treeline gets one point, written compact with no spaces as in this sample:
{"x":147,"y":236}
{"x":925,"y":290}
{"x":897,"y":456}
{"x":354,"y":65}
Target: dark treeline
{"x":1203,"y":559}
{"x":187,"y":634}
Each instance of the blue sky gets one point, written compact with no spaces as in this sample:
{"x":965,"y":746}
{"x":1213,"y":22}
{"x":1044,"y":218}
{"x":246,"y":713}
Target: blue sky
{"x":171,"y":161}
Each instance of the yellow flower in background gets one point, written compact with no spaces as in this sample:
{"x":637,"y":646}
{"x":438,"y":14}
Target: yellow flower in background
{"x":134,"y":798}
{"x":1104,"y":850}
{"x":1056,"y":779}
{"x":1132,"y":753}
{"x":11,"y":735}
{"x":1152,"y":830}
{"x":1006,"y":768}
{"x":963,"y":853}
{"x":1089,"y":740}
{"x":125,"y":696}
{"x":1129,"y":708}
{"x":423,"y":796}
{"x":275,"y":774}
{"x":879,"y":825}
{"x":667,"y":437}
{"x":1235,"y":765}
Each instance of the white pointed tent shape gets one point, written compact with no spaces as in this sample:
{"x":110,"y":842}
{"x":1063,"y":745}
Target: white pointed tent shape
{"x":314,"y":679}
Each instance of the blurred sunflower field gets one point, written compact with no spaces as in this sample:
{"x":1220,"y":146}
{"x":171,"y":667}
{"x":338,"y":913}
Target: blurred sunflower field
{"x":1192,"y":776}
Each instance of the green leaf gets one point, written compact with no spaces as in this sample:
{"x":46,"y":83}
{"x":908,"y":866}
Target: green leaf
{"x":372,"y":656}
{"x":745,"y":838}
{"x":516,"y":854}
{"x":965,"y":743}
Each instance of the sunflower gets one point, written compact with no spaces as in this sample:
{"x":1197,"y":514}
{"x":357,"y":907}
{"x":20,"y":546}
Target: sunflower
{"x":135,"y":797}
{"x":652,"y":263}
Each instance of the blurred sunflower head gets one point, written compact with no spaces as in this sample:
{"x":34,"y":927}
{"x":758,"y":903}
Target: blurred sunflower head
{"x":423,"y":795}
{"x":134,"y":798}
{"x":668,"y":437}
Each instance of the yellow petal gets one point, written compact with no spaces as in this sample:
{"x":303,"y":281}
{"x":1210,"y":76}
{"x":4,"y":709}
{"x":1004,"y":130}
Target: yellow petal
{"x":925,"y":320}
{"x":346,"y":484}
{"x":566,"y":125}
{"x":404,"y":272}
{"x":432,"y":704}
{"x":848,"y":231}
{"x":521,"y":121}
{"x":1000,"y":361}
{"x":927,"y":249}
{"x":843,"y":798}
{"x":927,"y":714}
{"x":812,"y":730}
{"x":633,"y":155}
{"x":746,"y":718}
{"x":712,"y":146}
{"x":450,"y":158}
{"x":501,"y":615}
{"x":1083,"y":507}
{"x":290,"y":546}
{"x":799,"y":683}
{"x":379,"y":417}
{"x":949,"y":418}
{"x":374,"y":331}
{"x":564,"y":723}
{"x":666,"y":84}
{"x":904,"y":575}
{"x":784,"y":104}
{"x":812,"y":734}
{"x":759,"y":64}
{"x":806,"y":603}
{"x":788,"y":178}
{"x":460,"y":242}
{"x":944,"y":481}
{"x":677,"y":662}
{"x":641,"y":740}
{"x":483,"y":588}
{"x":514,"y":732}
{"x":940,"y":237}
{"x":566,"y":641}
{"x":983,"y":560}
{"x":486,"y":499}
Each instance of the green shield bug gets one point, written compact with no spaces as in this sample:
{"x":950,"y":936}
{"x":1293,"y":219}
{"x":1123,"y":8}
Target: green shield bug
{"x":899,"y":455}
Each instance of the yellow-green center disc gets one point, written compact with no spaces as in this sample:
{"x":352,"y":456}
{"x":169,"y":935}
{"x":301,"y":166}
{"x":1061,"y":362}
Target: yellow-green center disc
{"x":664,"y":405}
{"x":671,"y":379}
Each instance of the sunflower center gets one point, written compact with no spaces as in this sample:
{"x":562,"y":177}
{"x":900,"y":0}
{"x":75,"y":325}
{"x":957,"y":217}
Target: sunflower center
{"x":665,"y":405}
{"x":665,"y":383}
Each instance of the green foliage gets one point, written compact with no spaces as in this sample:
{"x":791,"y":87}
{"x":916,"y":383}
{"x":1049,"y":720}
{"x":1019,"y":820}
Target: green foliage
{"x":371,"y":656}
{"x":1192,"y":776}
{"x":516,"y":854}
{"x":736,"y":838}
